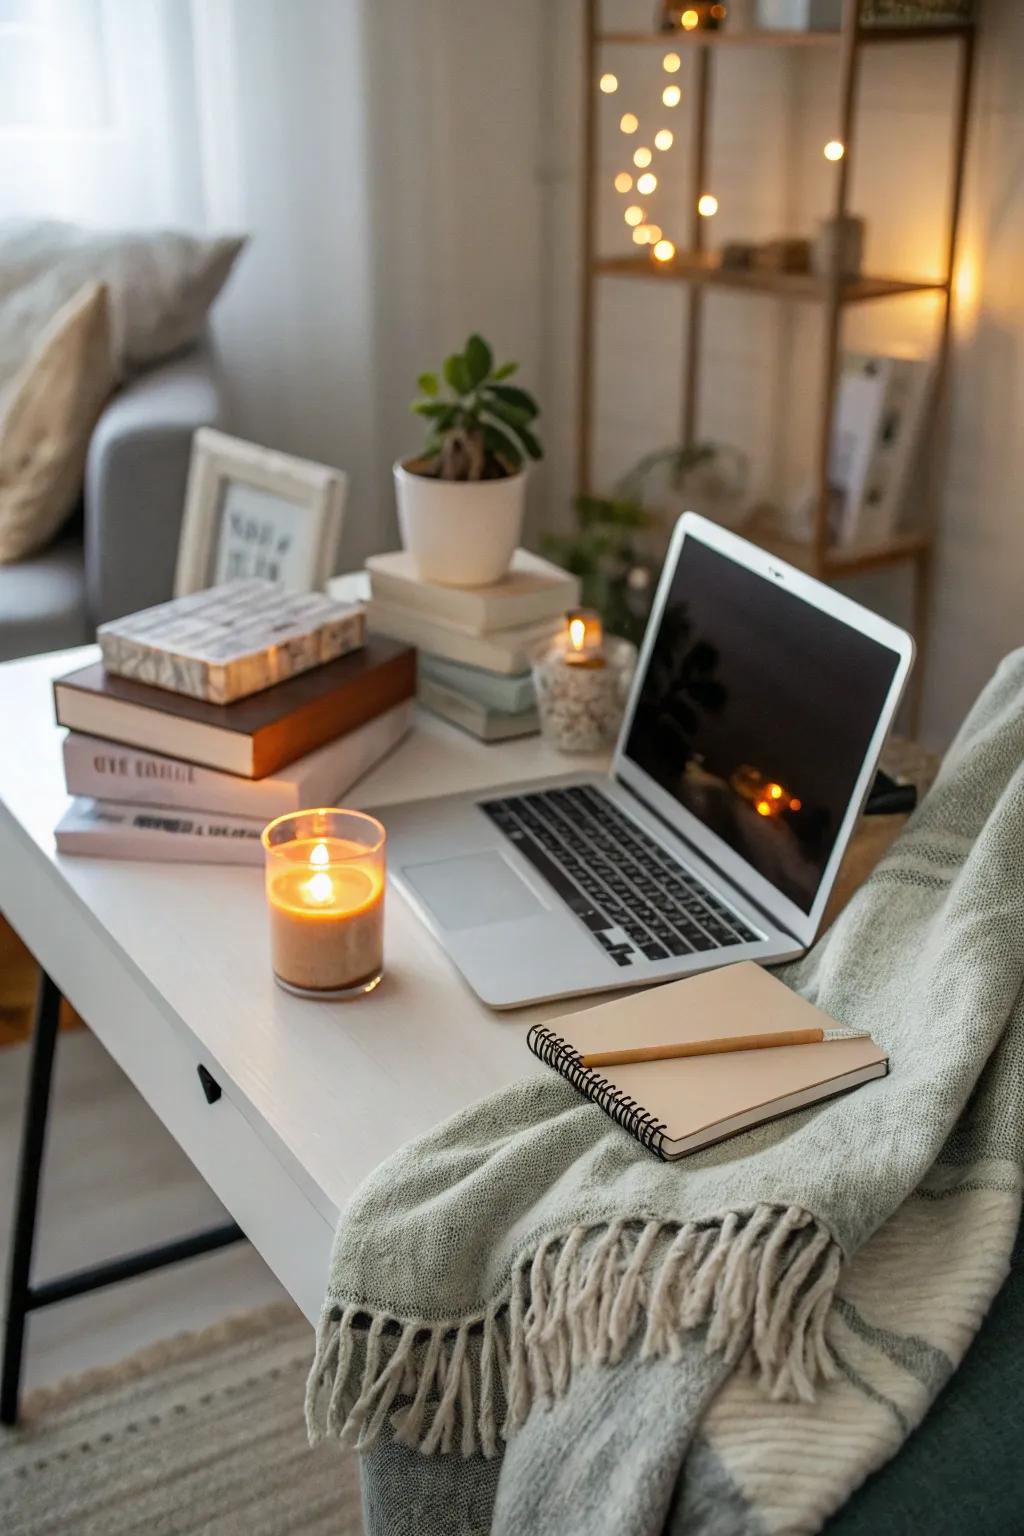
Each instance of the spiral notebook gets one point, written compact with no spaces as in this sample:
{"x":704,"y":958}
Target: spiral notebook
{"x":679,"y":1106}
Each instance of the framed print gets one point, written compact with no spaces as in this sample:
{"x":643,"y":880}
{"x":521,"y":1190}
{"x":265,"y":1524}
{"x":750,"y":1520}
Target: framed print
{"x":251,"y":511}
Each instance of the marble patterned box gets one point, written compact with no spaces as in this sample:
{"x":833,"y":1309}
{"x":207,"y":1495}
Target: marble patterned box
{"x":231,"y":641}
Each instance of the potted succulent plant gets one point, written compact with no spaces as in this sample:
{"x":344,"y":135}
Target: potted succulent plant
{"x":461,"y":502}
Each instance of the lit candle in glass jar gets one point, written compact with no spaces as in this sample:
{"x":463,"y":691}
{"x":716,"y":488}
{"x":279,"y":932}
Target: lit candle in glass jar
{"x":584,"y":638}
{"x":325,"y":873}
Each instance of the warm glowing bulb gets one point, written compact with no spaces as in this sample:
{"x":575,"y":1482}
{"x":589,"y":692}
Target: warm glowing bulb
{"x":577,"y":633}
{"x":671,"y":95}
{"x":653,"y":233}
{"x":633,"y":214}
{"x":664,"y":250}
{"x":646,"y":183}
{"x":609,"y":84}
{"x":640,"y":236}
{"x":670,"y":63}
{"x":795,"y":804}
{"x":763,"y":808}
{"x":833,"y":150}
{"x":663,"y":138}
{"x":320,"y":856}
{"x":689,"y":19}
{"x":623,"y":181}
{"x":642,"y":156}
{"x":775,"y":791}
{"x":629,"y":122}
{"x":707,"y":205}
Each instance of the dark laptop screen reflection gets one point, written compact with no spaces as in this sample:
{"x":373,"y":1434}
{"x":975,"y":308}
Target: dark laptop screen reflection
{"x":756,"y":713}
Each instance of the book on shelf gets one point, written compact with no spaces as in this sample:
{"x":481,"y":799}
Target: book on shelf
{"x":532,"y":590}
{"x":231,"y":641}
{"x":252,"y":737}
{"x":108,"y":770}
{"x":885,"y":493}
{"x":512,"y":695}
{"x":113,"y":829}
{"x":506,"y":651}
{"x":480,"y":721}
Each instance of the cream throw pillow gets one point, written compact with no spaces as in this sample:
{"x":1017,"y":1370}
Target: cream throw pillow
{"x":47,"y":414}
{"x":161,"y":286}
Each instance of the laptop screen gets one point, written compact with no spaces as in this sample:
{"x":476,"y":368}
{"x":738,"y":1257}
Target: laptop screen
{"x":755,"y":714}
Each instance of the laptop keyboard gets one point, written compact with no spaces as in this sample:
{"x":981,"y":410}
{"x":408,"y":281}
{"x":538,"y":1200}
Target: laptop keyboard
{"x":635,"y":899}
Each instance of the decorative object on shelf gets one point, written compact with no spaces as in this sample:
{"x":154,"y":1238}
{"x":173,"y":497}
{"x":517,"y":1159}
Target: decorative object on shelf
{"x":785,"y":254}
{"x":581,"y":683}
{"x":251,"y":511}
{"x":325,"y":875}
{"x":697,"y":15}
{"x":800,"y":15}
{"x":839,"y":246}
{"x":461,"y":503}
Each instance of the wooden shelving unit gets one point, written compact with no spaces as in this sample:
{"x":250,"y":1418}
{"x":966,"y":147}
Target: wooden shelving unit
{"x":698,"y":270}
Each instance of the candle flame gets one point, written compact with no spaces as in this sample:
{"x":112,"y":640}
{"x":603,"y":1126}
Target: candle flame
{"x":320,"y":856}
{"x":320,"y":887}
{"x":577,"y":633}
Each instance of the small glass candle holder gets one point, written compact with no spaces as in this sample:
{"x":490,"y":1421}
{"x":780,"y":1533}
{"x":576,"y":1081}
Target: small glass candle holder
{"x":581,"y":702}
{"x":325,"y":876}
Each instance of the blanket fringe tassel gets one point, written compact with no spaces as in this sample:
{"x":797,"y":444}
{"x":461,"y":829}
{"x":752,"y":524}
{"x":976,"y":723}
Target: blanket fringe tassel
{"x":761,"y":1283}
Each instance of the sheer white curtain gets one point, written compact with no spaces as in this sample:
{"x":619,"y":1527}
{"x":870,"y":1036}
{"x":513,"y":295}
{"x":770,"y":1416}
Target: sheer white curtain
{"x":385,"y":158}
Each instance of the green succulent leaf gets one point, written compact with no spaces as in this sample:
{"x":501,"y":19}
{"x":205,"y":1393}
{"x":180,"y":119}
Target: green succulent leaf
{"x":530,"y":443}
{"x":510,"y":415}
{"x":505,"y":371}
{"x":502,"y":446}
{"x":428,"y":383}
{"x":478,"y":360}
{"x":511,"y":395}
{"x":440,"y":410}
{"x":456,"y":374}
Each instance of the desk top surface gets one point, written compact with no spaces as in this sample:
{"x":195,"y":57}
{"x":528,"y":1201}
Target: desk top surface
{"x":333,"y":1088}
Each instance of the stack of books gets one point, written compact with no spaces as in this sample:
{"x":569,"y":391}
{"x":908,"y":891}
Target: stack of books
{"x":476,"y":644}
{"x":210,"y":715}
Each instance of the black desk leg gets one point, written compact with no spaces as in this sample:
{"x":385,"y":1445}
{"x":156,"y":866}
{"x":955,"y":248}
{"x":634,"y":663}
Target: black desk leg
{"x":33,"y":1140}
{"x":22,"y":1296}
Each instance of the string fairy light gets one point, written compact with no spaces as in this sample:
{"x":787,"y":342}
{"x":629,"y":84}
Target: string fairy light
{"x":664,"y":250}
{"x":834,"y":150}
{"x":689,"y":20}
{"x":664,"y":138}
{"x":707,"y":205}
{"x":671,"y":96}
{"x":671,"y":63}
{"x":642,"y":157}
{"x":629,"y":122}
{"x":623,"y":182}
{"x":609,"y":83}
{"x":634,"y":214}
{"x":646,"y":183}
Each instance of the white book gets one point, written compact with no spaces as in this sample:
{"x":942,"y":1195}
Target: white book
{"x":508,"y":651}
{"x":112,"y":829}
{"x":908,"y":400}
{"x":860,"y":407}
{"x":486,"y":724}
{"x":533,"y":589}
{"x":105,"y":770}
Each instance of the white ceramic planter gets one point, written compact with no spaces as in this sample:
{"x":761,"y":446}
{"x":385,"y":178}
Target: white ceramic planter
{"x":461,"y":533}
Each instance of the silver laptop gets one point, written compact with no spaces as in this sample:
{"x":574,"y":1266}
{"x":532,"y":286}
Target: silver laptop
{"x":759,"y":707}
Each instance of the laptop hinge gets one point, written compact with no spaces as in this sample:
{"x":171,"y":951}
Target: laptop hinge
{"x":704,"y":857}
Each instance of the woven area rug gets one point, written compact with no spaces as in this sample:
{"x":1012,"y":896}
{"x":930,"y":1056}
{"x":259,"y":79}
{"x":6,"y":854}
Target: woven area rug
{"x":202,"y":1433}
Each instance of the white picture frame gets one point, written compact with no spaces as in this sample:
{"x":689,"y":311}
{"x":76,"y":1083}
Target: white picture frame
{"x":251,"y":511}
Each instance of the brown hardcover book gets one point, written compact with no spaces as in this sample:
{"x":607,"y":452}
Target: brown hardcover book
{"x":253,"y":736}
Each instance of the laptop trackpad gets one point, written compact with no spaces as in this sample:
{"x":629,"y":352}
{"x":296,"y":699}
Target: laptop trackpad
{"x":473,"y":890}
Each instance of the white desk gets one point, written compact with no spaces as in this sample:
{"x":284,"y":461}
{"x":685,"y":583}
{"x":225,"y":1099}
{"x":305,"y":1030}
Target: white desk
{"x":169,"y":964}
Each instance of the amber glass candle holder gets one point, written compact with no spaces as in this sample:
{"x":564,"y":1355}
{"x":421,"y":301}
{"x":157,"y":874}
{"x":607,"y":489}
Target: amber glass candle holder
{"x":325,"y":876}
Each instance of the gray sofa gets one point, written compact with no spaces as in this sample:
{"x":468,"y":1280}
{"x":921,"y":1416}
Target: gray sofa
{"x":118,"y":553}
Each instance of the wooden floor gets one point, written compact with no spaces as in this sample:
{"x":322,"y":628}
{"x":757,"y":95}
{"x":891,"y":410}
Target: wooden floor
{"x":114,"y":1180}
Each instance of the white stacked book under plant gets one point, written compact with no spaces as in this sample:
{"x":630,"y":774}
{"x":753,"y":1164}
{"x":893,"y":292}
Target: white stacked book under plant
{"x":476,"y":644}
{"x":210,"y":715}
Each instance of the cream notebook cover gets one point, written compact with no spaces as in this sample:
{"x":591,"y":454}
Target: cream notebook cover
{"x":676,"y":1107}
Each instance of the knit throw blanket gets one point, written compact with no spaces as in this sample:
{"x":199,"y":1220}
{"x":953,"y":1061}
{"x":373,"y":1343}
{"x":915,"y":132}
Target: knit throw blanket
{"x":533,"y":1325}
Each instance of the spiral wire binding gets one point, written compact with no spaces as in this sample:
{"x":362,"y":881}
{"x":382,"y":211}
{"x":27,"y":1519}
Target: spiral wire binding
{"x":557,"y":1053}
